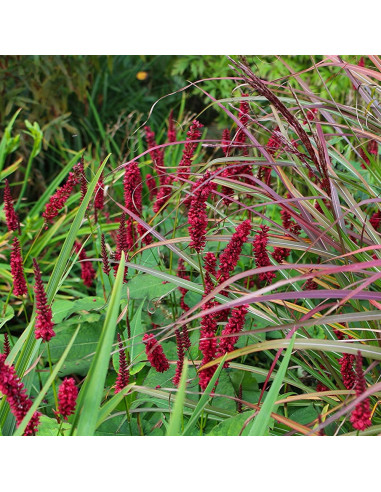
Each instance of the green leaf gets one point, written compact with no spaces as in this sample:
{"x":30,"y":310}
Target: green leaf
{"x":90,"y":397}
{"x":144,"y":285}
{"x":261,"y":422}
{"x":204,"y":399}
{"x":9,"y":313}
{"x":49,"y":427}
{"x":174,"y":427}
{"x":231,"y":426}
{"x":137,"y":349}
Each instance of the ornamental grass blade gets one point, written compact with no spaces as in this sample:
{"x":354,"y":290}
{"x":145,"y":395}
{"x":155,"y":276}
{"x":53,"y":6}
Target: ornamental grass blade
{"x":204,"y":398}
{"x":90,"y":397}
{"x":174,"y":427}
{"x":20,"y":430}
{"x":109,"y":406}
{"x":261,"y":422}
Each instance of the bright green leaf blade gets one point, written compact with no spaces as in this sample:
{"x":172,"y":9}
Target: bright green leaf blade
{"x":174,"y":427}
{"x":204,"y":398}
{"x":90,"y":398}
{"x":261,"y":421}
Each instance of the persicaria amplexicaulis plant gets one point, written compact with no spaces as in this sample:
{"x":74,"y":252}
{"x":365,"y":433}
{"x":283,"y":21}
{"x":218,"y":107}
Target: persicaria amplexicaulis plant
{"x":155,"y":353}
{"x":11,"y":217}
{"x":360,"y":417}
{"x":67,"y":397}
{"x":87,"y":270}
{"x":13,"y":389}
{"x":197,"y":217}
{"x":180,"y":357}
{"x":44,"y":322}
{"x":171,"y":128}
{"x":193,"y":134}
{"x":261,"y":255}
{"x":234,"y":325}
{"x":58,"y":200}
{"x":230,"y":256}
{"x":106,"y":265}
{"x":123,"y":377}
{"x":17,"y":269}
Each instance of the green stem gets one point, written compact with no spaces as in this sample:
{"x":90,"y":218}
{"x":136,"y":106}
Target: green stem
{"x":51,"y":371}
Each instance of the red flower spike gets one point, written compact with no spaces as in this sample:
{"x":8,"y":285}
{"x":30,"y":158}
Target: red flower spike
{"x":186,"y":340}
{"x":375,"y":220}
{"x":44,"y":324}
{"x":180,"y":358}
{"x":234,"y":325}
{"x":87,"y":270}
{"x":6,"y":346}
{"x":151,"y":185}
{"x":194,"y":133}
{"x":13,"y":223}
{"x":58,"y":200}
{"x":67,"y":397}
{"x":171,"y":128}
{"x":197,"y":217}
{"x":346,"y":369}
{"x":230,"y":256}
{"x":123,"y":375}
{"x":157,"y":155}
{"x":13,"y":389}
{"x":106,"y":266}
{"x":155,"y":354}
{"x":99,"y":200}
{"x":17,"y":269}
{"x":373,"y":147}
{"x":361,"y":415}
{"x":226,"y":142}
{"x":132,"y":183}
{"x":261,"y":255}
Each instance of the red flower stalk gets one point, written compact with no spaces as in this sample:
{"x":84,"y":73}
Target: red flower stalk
{"x":186,"y":340}
{"x":171,"y":128}
{"x":182,"y":274}
{"x":132,"y":183}
{"x":360,"y":417}
{"x":67,"y":397}
{"x":373,"y":147}
{"x":208,"y":347}
{"x":197,"y":217}
{"x":99,"y":200}
{"x":6,"y":346}
{"x":280,"y":254}
{"x":87,"y":270}
{"x":234,"y":325}
{"x":226,"y":142}
{"x":261,"y":255}
{"x":210,"y":268}
{"x":122,"y":242}
{"x":11,"y":217}
{"x":194,"y":133}
{"x":321,"y":387}
{"x":123,"y":375}
{"x":106,"y":265}
{"x":151,"y":185}
{"x":365,"y":158}
{"x":145,"y":238}
{"x":13,"y":389}
{"x":163,"y":194}
{"x":311,"y":113}
{"x":17,"y":269}
{"x":58,"y":200}
{"x":244,"y":119}
{"x":180,"y":358}
{"x":130,"y":234}
{"x":346,"y":369}
{"x":155,"y":354}
{"x":230,"y":256}
{"x":361,"y":62}
{"x":274,"y":143}
{"x":375,"y":220}
{"x":310,"y":285}
{"x":44,"y":324}
{"x":157,"y":155}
